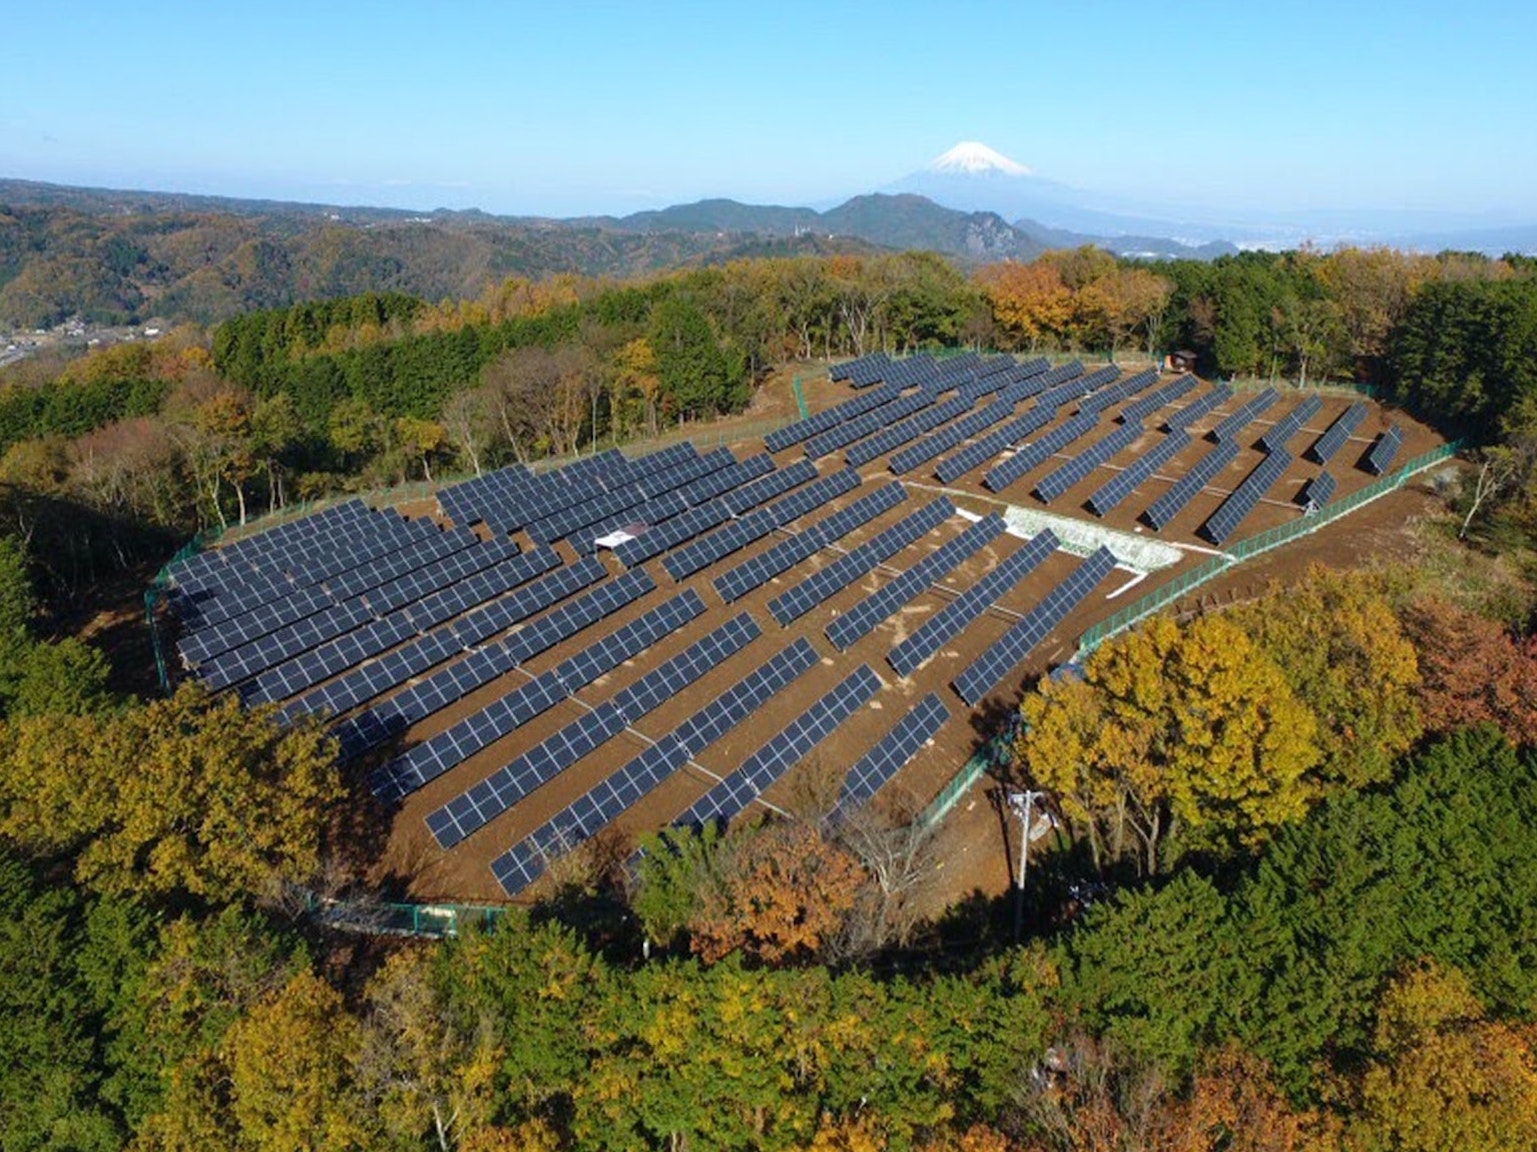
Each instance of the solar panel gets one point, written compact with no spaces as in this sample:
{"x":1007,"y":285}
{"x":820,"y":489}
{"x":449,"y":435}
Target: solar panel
{"x":759,"y":570}
{"x":390,"y":717}
{"x":908,"y":655}
{"x":862,"y":426}
{"x":1121,"y":390}
{"x":526,"y":861}
{"x":785,"y":750}
{"x":1380,"y":458}
{"x":758,"y":524}
{"x":910,"y":429}
{"x":1158,"y":399}
{"x":1056,"y":482}
{"x":782,"y":438}
{"x":1251,"y":409}
{"x":1033,"y":455}
{"x":1010,"y":650}
{"x":974,"y":455}
{"x":819,"y":586}
{"x":1133,"y":476}
{"x":1231,"y":512}
{"x":864,"y":617}
{"x":487,"y":800}
{"x":1290,"y":424}
{"x":1318,"y":491}
{"x":1172,"y":502}
{"x":1203,"y":405}
{"x":943,"y":440}
{"x":438,"y":754}
{"x":893,"y":751}
{"x":1338,"y":433}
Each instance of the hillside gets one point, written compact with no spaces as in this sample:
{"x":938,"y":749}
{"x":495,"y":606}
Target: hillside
{"x":121,"y":257}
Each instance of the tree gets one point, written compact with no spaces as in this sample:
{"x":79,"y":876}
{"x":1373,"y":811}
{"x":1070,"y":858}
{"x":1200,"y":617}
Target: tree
{"x":635,"y":387}
{"x":694,"y":374}
{"x":292,"y":1066}
{"x":1445,"y":1078}
{"x":1030,"y":301}
{"x":1340,"y":646}
{"x":470,"y":423}
{"x":421,"y":439}
{"x":275,"y":431}
{"x":783,"y":896}
{"x":184,"y":795}
{"x":1473,"y":670}
{"x":1192,"y":727}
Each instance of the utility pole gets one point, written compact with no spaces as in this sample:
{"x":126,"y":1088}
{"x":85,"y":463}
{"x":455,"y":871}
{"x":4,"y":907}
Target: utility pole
{"x":1023,"y":805}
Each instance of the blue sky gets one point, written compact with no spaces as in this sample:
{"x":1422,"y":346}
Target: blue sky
{"x":567,"y":108}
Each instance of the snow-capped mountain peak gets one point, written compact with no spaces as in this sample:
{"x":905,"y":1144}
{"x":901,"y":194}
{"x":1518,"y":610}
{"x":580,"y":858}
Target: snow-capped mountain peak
{"x":974,"y":159}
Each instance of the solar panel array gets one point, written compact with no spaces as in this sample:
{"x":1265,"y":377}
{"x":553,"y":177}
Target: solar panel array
{"x":595,"y":809}
{"x":791,"y":605}
{"x":909,"y":654}
{"x":864,"y":617}
{"x":1290,"y":424}
{"x":759,"y":570}
{"x":1058,"y":481}
{"x":943,"y":440}
{"x":907,"y":430}
{"x":1318,"y":491}
{"x":1115,"y":490}
{"x":866,"y":424}
{"x":1158,"y":399}
{"x":980,"y":451}
{"x":436,"y":755}
{"x":893,"y":751}
{"x":1250,"y":410}
{"x":861,"y":372}
{"x":1198,"y":408}
{"x":1380,"y":458}
{"x":1231,"y":512}
{"x":1117,"y":392}
{"x":472,"y":810}
{"x":785,"y":750}
{"x":390,"y":717}
{"x":990,"y":669}
{"x":745,"y":485}
{"x":1173,"y":502}
{"x":1337,"y":434}
{"x":375,"y":677}
{"x":1036,"y":453}
{"x":802,"y":430}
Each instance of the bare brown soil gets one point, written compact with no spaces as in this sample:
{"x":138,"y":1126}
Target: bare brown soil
{"x":973,"y":842}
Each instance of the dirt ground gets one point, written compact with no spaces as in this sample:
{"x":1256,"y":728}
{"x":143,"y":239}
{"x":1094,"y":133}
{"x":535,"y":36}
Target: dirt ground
{"x":973,"y":850}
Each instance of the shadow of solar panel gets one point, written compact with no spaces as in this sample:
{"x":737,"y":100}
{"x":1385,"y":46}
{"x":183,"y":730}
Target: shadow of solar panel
{"x":1033,"y":455}
{"x":474,"y":809}
{"x":1128,"y":480}
{"x":951,"y":620}
{"x":759,"y":570}
{"x":1380,"y":458}
{"x":1056,"y":482}
{"x":864,"y":617}
{"x":991,"y":668}
{"x":787,"y":749}
{"x":438,"y":754}
{"x":892,"y":752}
{"x":1172,"y":502}
{"x":1337,"y":434}
{"x":1231,"y":512}
{"x":819,"y":586}
{"x":526,"y":861}
{"x":1290,"y":424}
{"x":1318,"y":491}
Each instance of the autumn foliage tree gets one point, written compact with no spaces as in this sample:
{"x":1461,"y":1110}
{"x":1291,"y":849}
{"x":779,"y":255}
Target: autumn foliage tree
{"x":1474,"y":670}
{"x":1191,"y":730}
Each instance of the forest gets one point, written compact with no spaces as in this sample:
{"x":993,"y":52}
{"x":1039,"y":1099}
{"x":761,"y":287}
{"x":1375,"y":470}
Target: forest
{"x":1289,"y":906}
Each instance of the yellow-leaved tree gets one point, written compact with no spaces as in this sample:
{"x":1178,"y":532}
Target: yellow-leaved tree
{"x":190,"y":794}
{"x":1191,"y":729}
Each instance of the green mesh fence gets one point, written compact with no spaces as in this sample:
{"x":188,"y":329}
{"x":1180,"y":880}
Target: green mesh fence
{"x":389,"y":919}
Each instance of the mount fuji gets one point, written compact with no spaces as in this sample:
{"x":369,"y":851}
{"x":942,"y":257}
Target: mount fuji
{"x":972,"y":177}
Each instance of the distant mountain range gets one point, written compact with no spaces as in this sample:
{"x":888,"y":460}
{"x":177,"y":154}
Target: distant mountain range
{"x":116,"y":256}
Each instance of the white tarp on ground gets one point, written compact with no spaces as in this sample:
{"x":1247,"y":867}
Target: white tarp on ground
{"x":1082,"y":537}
